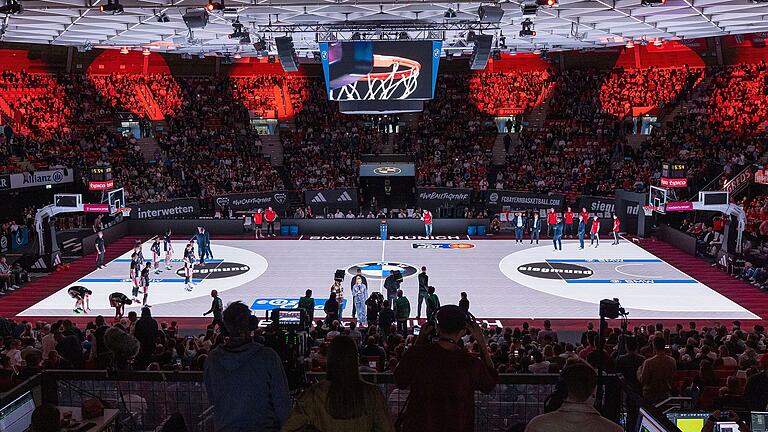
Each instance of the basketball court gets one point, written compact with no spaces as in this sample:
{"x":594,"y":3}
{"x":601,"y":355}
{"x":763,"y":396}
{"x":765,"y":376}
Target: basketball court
{"x":504,"y":280}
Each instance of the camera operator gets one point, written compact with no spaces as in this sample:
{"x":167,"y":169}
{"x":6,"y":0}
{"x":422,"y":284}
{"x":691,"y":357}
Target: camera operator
{"x":392,"y":284}
{"x":442,"y":376}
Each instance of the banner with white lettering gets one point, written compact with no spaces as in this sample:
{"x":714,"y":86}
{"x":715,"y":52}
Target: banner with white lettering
{"x":176,"y":209}
{"x":322,"y":200}
{"x":432,"y":198}
{"x":252,"y":201}
{"x":497,"y":200}
{"x":602,"y":207}
{"x":36,"y":178}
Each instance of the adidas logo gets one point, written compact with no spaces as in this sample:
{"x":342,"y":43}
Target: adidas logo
{"x":319,"y":198}
{"x":344,"y":197}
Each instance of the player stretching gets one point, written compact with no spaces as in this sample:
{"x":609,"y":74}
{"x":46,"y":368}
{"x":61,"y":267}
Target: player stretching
{"x":189,"y":264}
{"x":595,"y":232}
{"x":145,"y":282}
{"x":81,"y":295}
{"x":168,"y":247}
{"x":118,"y":301}
{"x":155,"y":248}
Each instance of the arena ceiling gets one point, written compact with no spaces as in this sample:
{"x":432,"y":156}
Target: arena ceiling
{"x":572,"y":24}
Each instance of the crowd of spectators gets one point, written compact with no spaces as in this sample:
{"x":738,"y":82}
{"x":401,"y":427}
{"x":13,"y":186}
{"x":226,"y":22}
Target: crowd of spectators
{"x":652,"y":87}
{"x":514,"y":91}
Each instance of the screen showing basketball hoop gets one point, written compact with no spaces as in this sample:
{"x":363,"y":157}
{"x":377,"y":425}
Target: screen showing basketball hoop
{"x":380,"y":70}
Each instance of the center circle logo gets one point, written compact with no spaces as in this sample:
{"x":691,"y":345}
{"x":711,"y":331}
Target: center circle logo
{"x":216,"y":270}
{"x":387,"y":170}
{"x":546,"y":270}
{"x":382,"y":269}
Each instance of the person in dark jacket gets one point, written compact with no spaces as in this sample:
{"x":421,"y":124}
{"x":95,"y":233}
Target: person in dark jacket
{"x":331,"y":309}
{"x":245,"y":380}
{"x":582,"y":230}
{"x":557,"y":234}
{"x":146,"y":333}
{"x":217,"y":309}
{"x":423,"y":290}
{"x":386,"y":317}
{"x":535,"y":227}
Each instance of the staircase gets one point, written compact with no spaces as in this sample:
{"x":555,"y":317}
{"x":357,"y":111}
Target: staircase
{"x":499,"y":153}
{"x":539,"y":113}
{"x":272,"y":148}
{"x":149,"y":147}
{"x":149,"y":103}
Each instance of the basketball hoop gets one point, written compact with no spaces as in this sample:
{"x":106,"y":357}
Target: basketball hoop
{"x":649,"y":210}
{"x":382,"y":85}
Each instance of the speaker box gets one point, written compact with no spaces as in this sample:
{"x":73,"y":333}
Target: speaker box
{"x":490,"y":14}
{"x":196,"y":18}
{"x":481,"y":52}
{"x":285,"y":51}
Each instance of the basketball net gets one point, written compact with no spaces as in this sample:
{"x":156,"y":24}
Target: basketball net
{"x":381,"y":86}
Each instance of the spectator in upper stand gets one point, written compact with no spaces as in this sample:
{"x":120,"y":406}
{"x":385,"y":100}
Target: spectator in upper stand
{"x":577,"y":413}
{"x":442,"y":377}
{"x":656,"y":374}
{"x":343,"y":401}
{"x":245,"y":380}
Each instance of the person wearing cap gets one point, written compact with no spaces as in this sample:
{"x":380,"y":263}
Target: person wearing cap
{"x":442,"y":376}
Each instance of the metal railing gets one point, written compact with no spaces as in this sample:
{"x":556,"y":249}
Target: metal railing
{"x":146,"y":399}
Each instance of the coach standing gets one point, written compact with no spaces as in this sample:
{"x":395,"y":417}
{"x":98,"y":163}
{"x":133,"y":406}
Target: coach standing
{"x":270,"y":215}
{"x":582,"y":230}
{"x":100,"y":250}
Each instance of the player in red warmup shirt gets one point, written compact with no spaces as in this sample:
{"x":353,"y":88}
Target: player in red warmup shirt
{"x":551,"y":220}
{"x":616,"y":225}
{"x":568,"y":218}
{"x":427,"y":217}
{"x":585,"y":214}
{"x":595,"y":232}
{"x":258,"y":221}
{"x":270,"y":216}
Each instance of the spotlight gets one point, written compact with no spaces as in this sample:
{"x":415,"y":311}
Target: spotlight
{"x":213,"y":7}
{"x":496,"y":54}
{"x":12,"y":7}
{"x":527,"y":29}
{"x":653,"y":3}
{"x":471,"y":36}
{"x":357,"y":36}
{"x":124,"y":50}
{"x":450,"y":13}
{"x":237,"y":56}
{"x":271,"y":59}
{"x":403,"y":35}
{"x":146,"y":52}
{"x":551,"y":3}
{"x":630,"y":44}
{"x":163,"y":17}
{"x":658,"y":42}
{"x":113,"y":6}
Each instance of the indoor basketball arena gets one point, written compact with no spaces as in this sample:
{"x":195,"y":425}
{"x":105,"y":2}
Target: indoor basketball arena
{"x":521,"y":216}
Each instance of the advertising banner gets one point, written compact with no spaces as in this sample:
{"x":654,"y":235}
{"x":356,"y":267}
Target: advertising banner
{"x":498,"y":199}
{"x":761,"y":176}
{"x":679,"y":206}
{"x":278,"y":200}
{"x":674,"y":182}
{"x":181,"y":208}
{"x":101,"y":185}
{"x":319,"y":199}
{"x":432,"y":198}
{"x":36,"y":178}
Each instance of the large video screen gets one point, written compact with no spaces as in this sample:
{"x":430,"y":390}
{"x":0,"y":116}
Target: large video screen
{"x":380,"y":70}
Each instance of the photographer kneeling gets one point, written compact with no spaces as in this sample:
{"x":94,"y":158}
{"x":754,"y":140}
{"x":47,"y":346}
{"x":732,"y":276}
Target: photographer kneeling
{"x":442,"y":376}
